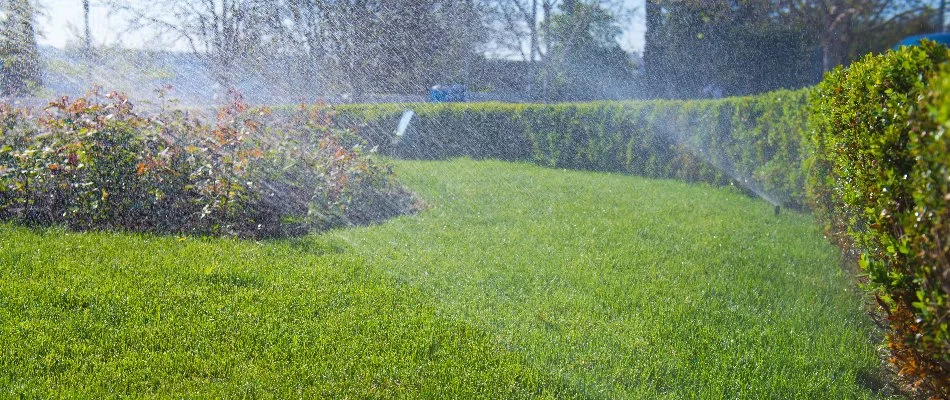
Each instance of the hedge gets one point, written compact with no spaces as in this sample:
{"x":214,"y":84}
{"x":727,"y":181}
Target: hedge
{"x":754,"y":142}
{"x":879,"y":176}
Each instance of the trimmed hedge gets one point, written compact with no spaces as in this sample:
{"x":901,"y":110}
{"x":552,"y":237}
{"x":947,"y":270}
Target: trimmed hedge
{"x":751,"y":141}
{"x":880,"y":180}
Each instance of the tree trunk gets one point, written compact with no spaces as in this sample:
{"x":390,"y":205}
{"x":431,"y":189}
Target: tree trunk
{"x":652,"y":66}
{"x":941,"y":23}
{"x":836,"y":41}
{"x":829,"y":56}
{"x":87,"y":51}
{"x":546,"y":59}
{"x":533,"y":26}
{"x":88,"y":36}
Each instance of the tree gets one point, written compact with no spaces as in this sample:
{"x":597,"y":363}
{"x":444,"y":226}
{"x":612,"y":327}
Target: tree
{"x":736,"y":47}
{"x":718,"y":48}
{"x":355,"y":46}
{"x":515,"y":26}
{"x":586,"y":61}
{"x":528,"y":29}
{"x":424,"y":43}
{"x":87,"y":39}
{"x":328,"y":31}
{"x":305,"y":29}
{"x":519,"y":27}
{"x":18,"y":49}
{"x":229,"y":36}
{"x":87,"y":31}
{"x":400,"y":46}
{"x":941,"y":14}
{"x":840,"y":24}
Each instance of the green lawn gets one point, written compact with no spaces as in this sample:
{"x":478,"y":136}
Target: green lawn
{"x":517,"y":281}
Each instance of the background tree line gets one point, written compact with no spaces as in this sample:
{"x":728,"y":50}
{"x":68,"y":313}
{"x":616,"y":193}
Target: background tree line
{"x":542,"y":49}
{"x":385,"y":46}
{"x":712,"y":48}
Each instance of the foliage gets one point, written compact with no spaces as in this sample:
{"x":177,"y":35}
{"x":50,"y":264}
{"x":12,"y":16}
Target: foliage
{"x":318,"y":46}
{"x":227,"y":36}
{"x":94,"y":163}
{"x":710,"y":48}
{"x":750,"y":141}
{"x":703,"y":49}
{"x":584,"y":61}
{"x":847,"y":30}
{"x":879,"y":179}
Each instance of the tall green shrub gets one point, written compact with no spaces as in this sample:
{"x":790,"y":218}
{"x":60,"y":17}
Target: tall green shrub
{"x":879,"y":179}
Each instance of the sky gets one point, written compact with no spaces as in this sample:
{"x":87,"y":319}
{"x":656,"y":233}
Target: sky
{"x":62,"y":24}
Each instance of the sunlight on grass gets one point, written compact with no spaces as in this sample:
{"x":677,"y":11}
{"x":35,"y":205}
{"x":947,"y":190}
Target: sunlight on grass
{"x":517,"y":281}
{"x":627,"y":286}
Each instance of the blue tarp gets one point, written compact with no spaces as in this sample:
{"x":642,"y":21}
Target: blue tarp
{"x":942,"y":38}
{"x":447,"y":93}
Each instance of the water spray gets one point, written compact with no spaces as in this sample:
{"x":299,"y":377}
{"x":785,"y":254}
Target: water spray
{"x":724,"y":166}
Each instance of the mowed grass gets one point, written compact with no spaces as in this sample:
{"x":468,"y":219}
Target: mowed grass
{"x":515,"y":282}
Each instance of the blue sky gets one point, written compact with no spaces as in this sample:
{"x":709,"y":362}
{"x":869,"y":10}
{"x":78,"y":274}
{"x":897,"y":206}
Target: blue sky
{"x":61,"y":24}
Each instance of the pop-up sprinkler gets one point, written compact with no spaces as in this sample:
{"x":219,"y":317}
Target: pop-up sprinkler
{"x":403,"y":124}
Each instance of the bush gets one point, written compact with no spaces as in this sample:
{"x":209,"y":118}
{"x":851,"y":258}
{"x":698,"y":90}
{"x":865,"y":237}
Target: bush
{"x":94,"y":163}
{"x":879,"y":178}
{"x":750,"y":141}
